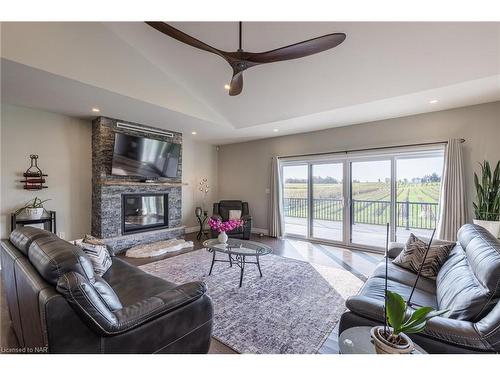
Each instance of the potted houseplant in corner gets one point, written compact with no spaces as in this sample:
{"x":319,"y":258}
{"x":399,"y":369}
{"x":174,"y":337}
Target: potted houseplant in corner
{"x":394,"y":339}
{"x":33,"y":208}
{"x":487,"y":207}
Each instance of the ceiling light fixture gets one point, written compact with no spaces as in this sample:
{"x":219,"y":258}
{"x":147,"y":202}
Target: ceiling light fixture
{"x":96,"y":110}
{"x":433,"y":101}
{"x":226,"y":87}
{"x":275,"y":130}
{"x":194,"y":133}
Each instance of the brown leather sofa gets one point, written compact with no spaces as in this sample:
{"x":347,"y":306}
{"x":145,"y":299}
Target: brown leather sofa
{"x":58,"y":304}
{"x":468,"y":285}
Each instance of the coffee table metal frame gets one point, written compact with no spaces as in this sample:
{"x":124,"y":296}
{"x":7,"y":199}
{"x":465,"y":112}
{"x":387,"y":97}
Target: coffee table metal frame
{"x":237,"y":252}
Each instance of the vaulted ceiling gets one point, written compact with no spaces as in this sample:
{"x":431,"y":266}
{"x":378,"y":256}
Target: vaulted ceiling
{"x":133,"y":72}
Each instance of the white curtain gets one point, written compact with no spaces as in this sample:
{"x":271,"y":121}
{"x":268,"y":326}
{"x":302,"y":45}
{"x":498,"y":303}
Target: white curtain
{"x":276,"y":206}
{"x":453,"y":212}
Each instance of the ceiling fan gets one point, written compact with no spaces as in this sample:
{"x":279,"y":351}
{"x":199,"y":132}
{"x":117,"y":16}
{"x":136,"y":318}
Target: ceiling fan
{"x":241,"y":60}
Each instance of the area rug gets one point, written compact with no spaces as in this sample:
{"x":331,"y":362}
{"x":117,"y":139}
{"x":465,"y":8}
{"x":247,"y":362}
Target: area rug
{"x":155,"y":249}
{"x":291,"y":309}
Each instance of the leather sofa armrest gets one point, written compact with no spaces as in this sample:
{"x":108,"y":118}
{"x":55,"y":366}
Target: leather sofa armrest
{"x":87,"y":302}
{"x":394,"y":249}
{"x":160,"y":304}
{"x":246,"y":218}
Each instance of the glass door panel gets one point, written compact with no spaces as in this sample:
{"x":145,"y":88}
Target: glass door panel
{"x":418,"y":190}
{"x":295,"y":199}
{"x":370,"y":202}
{"x":327,"y":201}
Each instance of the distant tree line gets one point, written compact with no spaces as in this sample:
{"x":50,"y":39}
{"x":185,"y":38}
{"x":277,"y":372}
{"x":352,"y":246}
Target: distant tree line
{"x":434,"y":177}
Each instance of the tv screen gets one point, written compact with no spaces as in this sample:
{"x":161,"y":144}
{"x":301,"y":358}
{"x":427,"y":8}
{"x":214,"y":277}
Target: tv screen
{"x":144,"y":157}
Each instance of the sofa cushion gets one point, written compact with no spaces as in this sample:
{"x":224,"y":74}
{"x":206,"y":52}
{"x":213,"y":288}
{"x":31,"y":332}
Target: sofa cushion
{"x":403,"y":276}
{"x":124,"y":278}
{"x":53,"y":257}
{"x":413,"y":254}
{"x":107,"y":294}
{"x":23,"y":237}
{"x":97,"y":253}
{"x":468,"y":284}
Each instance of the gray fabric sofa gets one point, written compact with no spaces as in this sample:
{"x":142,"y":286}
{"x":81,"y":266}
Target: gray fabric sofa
{"x":468,"y":284}
{"x":59,"y":305}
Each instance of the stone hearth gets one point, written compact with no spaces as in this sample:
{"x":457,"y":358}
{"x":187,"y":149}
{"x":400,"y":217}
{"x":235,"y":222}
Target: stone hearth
{"x":107,"y":190}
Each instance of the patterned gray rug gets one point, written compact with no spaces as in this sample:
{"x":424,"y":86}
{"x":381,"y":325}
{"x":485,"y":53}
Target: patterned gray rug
{"x":291,"y":309}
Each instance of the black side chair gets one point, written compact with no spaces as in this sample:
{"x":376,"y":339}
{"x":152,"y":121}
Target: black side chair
{"x":221,"y":212}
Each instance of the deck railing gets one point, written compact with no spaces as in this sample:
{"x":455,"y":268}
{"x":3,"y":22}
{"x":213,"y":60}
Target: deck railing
{"x":419,"y":215}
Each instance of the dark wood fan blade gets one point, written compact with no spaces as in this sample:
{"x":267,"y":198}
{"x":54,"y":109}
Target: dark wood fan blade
{"x":297,"y":50}
{"x":236,"y":84}
{"x":183,"y":37}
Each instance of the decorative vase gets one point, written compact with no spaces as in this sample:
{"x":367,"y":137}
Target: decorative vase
{"x":34,"y":213}
{"x":383,"y":346}
{"x":491,"y":226}
{"x":222,"y":237}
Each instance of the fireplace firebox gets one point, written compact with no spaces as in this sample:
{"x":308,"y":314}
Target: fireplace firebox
{"x":144,"y":212}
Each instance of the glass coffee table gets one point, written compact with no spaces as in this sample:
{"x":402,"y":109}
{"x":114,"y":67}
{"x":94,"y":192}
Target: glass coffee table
{"x":237,"y":252}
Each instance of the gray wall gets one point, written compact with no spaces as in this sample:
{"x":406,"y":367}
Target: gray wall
{"x":244,"y":168}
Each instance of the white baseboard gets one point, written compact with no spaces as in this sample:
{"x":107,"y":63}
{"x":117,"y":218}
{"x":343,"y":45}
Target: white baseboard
{"x":260,"y":231}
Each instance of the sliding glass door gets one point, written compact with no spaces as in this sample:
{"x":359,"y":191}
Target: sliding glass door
{"x":327,"y":201}
{"x":296,"y":199}
{"x":371,"y":199}
{"x":349,"y":199}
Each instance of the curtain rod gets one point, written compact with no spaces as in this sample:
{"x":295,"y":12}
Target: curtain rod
{"x":367,"y":149}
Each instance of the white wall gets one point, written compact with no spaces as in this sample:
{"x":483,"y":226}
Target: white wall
{"x":244,"y":168}
{"x":64,"y":147}
{"x":199,"y":160}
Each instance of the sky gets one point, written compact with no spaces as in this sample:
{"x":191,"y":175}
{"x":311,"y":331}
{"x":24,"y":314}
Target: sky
{"x":372,"y":171}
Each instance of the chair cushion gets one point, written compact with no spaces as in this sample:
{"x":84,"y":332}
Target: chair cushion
{"x":53,"y":257}
{"x":234,"y":214}
{"x":468,"y":284}
{"x":226,"y":206}
{"x":23,"y":237}
{"x":412,"y":256}
{"x":403,"y":276}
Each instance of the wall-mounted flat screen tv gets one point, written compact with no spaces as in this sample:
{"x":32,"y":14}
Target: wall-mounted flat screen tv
{"x":144,"y":157}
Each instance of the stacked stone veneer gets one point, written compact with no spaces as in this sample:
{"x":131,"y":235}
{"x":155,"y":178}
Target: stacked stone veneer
{"x":107,"y":190}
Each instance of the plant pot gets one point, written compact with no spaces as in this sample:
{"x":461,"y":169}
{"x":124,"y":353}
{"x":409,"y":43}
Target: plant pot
{"x":222,"y":237}
{"x":34,"y":213}
{"x":383,"y":346}
{"x":491,"y":226}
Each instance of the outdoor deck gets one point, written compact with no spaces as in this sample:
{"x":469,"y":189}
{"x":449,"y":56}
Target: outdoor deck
{"x":363,"y":234}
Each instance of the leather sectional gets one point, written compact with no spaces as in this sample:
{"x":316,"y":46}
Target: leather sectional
{"x":58,"y":304}
{"x":468,"y":285}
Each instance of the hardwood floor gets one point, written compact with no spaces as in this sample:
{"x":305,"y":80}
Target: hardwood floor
{"x":359,"y":264}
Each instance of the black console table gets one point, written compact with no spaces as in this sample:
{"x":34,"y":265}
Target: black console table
{"x":202,"y":218}
{"x":48,"y":220}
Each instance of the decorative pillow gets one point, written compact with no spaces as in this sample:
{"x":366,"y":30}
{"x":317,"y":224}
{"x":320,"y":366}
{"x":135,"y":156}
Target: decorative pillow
{"x":234,"y":214}
{"x":97,"y":252}
{"x":413,"y":254}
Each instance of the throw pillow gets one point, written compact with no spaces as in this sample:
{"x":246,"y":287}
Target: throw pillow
{"x":234,"y":214}
{"x":97,"y":253}
{"x":413,"y":254}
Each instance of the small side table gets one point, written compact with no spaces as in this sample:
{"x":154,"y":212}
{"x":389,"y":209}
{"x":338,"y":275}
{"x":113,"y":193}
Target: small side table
{"x":202,"y":218}
{"x":357,"y":340}
{"x":48,"y":220}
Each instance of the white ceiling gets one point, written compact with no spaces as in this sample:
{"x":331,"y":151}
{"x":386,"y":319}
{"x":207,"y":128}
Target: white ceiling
{"x":131,"y":71}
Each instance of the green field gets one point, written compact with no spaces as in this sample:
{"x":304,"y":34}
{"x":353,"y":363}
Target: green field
{"x":371,"y":202}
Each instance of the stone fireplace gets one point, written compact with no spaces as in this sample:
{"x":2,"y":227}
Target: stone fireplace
{"x":125,"y":211}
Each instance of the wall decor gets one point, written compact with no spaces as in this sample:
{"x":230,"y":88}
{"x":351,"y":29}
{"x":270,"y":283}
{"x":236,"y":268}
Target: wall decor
{"x":34,"y":178}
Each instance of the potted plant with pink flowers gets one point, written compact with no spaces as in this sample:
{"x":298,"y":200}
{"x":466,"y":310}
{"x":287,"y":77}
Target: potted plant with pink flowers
{"x":224,"y":226}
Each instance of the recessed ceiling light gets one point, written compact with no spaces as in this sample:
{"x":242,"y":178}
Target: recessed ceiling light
{"x":275,"y":130}
{"x":433,"y":101}
{"x":226,"y":87}
{"x":194,"y":133}
{"x":96,"y":110}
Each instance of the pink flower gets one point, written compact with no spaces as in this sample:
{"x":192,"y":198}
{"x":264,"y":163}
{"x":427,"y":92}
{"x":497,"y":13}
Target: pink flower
{"x":224,"y":226}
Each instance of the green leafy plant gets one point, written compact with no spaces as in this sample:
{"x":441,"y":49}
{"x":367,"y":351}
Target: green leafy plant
{"x":488,"y":193}
{"x":33,"y":203}
{"x":397,"y":318}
